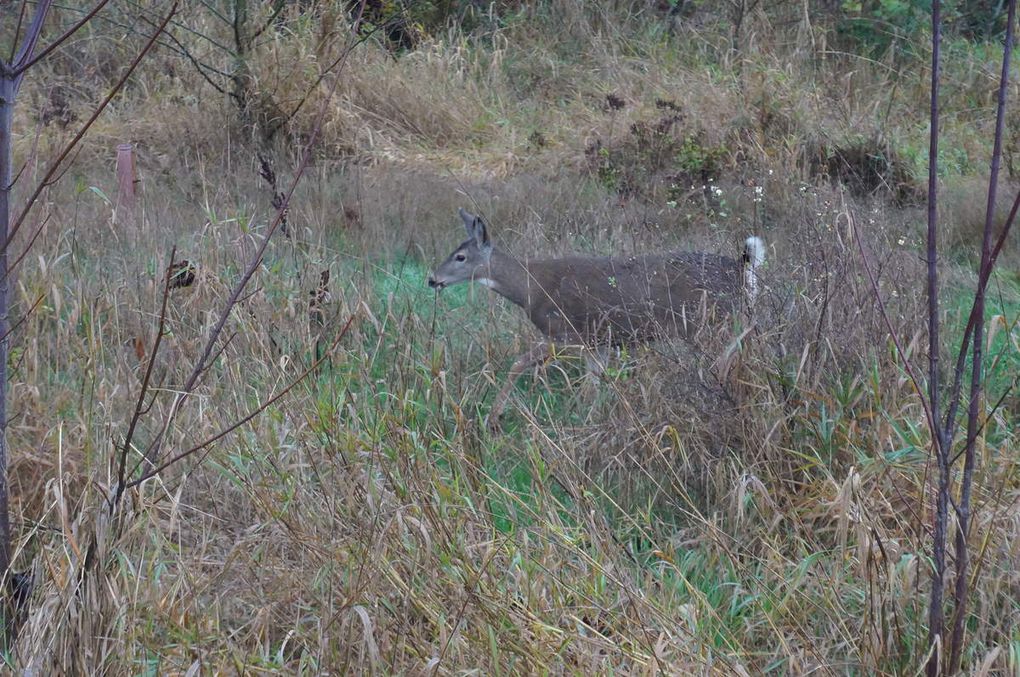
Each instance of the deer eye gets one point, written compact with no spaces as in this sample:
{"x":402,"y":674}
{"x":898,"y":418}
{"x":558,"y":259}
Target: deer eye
{"x":460,"y":257}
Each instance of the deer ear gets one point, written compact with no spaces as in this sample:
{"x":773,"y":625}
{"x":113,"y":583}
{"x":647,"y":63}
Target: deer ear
{"x":469,"y":221}
{"x":476,"y":230}
{"x":481,"y":236}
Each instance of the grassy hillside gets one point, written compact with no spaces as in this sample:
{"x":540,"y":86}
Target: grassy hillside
{"x":693,"y":511}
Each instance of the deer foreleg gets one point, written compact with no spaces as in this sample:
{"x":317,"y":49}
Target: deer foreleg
{"x":537,"y":354}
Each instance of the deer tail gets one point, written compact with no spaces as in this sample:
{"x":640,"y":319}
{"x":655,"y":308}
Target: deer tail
{"x":754,"y":257}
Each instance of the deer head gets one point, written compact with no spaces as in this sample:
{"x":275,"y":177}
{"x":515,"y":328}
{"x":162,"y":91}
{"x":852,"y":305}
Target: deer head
{"x":469,"y":261}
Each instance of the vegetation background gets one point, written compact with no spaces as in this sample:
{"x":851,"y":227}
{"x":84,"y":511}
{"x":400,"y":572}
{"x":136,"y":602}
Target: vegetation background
{"x":694,"y":512}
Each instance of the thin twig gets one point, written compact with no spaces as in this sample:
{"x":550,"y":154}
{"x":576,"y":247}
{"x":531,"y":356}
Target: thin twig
{"x":23,"y":318}
{"x":892,"y":332}
{"x":936,"y":612}
{"x":28,"y":46}
{"x":144,"y":389}
{"x":21,"y":68}
{"x":245,"y":419}
{"x":278,"y":6}
{"x":17,"y":30}
{"x":360,"y":39}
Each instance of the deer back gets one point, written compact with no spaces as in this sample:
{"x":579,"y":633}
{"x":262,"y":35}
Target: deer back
{"x":626,"y":299}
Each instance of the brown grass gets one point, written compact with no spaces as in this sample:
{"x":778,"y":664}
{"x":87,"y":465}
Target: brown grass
{"x":674,"y":517}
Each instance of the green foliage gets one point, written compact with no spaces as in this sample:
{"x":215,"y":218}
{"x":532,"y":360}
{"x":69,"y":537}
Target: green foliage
{"x":877,"y":26}
{"x":1001,"y":357}
{"x":661,"y":156}
{"x":694,"y":158}
{"x":405,"y":23}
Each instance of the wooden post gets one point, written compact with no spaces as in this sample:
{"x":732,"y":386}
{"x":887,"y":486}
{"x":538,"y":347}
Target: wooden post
{"x":126,"y":179}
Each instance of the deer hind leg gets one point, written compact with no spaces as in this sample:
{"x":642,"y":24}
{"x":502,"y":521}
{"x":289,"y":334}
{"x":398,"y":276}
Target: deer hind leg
{"x":537,"y":354}
{"x":596,"y":362}
{"x":596,"y":359}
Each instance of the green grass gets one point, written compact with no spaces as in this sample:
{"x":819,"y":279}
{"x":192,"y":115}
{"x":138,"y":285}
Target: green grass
{"x":1001,"y":355}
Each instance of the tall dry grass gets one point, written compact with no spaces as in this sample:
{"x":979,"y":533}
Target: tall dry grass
{"x":686,"y":514}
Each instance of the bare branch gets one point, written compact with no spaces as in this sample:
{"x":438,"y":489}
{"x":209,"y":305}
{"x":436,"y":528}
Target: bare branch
{"x":992,"y":411}
{"x":248,"y":417}
{"x":214,"y":11}
{"x":343,"y":55}
{"x":278,"y":6}
{"x":962,"y":588}
{"x":17,"y":30}
{"x":31,"y":38}
{"x":23,"y":318}
{"x":28,"y":248}
{"x":179,"y":48}
{"x":21,"y":68}
{"x":936,"y":612}
{"x":932,"y":251}
{"x":144,"y":389}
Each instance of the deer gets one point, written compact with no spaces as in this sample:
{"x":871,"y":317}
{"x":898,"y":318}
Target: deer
{"x":603,"y":302}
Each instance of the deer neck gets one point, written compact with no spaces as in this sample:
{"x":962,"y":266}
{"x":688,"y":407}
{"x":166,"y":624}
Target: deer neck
{"x":508,"y":277}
